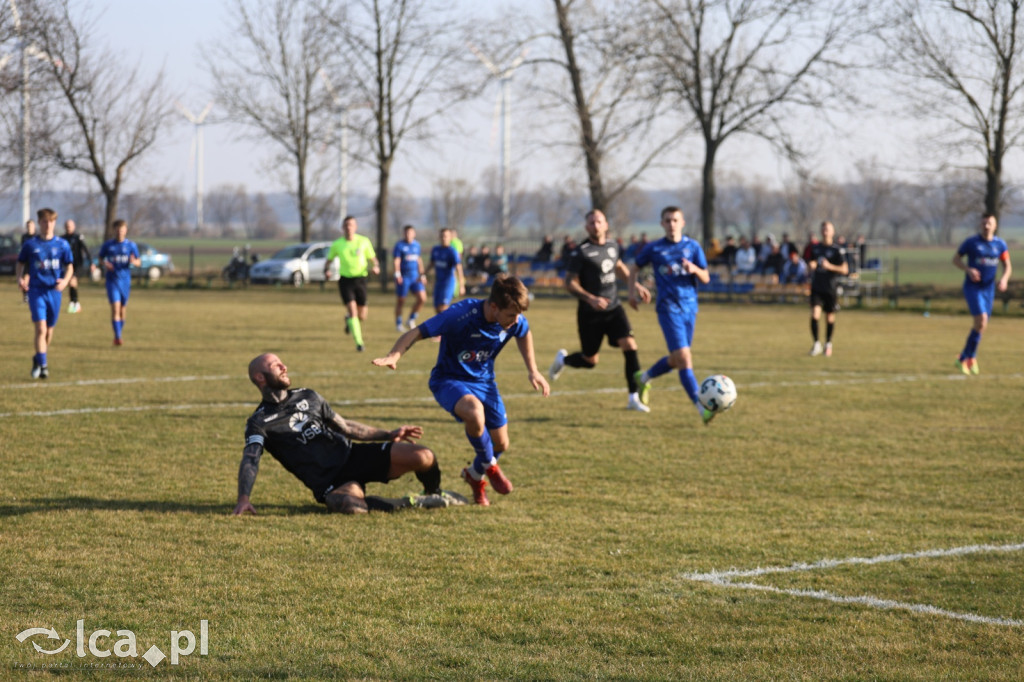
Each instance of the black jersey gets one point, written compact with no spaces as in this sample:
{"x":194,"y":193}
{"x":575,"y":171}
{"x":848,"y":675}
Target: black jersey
{"x":79,"y":251}
{"x":595,"y":265}
{"x":296,"y":433}
{"x":824,"y":280}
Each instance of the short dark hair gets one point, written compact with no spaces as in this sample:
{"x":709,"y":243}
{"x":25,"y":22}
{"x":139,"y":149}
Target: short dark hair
{"x":46,"y":214}
{"x":670,"y":209}
{"x":509,"y":292}
{"x":118,"y":223}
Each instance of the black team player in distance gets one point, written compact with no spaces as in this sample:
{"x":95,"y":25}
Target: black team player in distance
{"x":591,"y":271}
{"x":314,"y":443}
{"x":828,"y":262}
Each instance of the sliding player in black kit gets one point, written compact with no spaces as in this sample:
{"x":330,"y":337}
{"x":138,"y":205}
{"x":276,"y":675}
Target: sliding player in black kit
{"x":592,"y":269}
{"x":301,"y":431}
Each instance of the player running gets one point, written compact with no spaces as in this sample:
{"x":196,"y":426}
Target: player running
{"x":592,"y":270}
{"x":983,"y":251}
{"x":678,"y":263}
{"x":473,"y":332}
{"x":446,"y":263}
{"x":828,"y":263}
{"x":45,"y":266}
{"x":356,"y":260}
{"x":80,"y":254}
{"x":117,"y":256}
{"x":409,"y":277}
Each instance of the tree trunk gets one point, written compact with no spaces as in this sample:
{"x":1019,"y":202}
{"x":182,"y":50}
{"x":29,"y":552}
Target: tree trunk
{"x":993,"y":184}
{"x":591,"y":153}
{"x":303,"y":202}
{"x":708,"y":193}
{"x":384,"y":178}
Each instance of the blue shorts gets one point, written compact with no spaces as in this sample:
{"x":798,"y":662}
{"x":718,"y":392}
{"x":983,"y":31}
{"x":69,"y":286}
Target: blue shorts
{"x":677,"y":326}
{"x":118,"y":290}
{"x":444,"y":292}
{"x":44,"y":304}
{"x":448,"y":392}
{"x":411,"y":283}
{"x":979,"y":299}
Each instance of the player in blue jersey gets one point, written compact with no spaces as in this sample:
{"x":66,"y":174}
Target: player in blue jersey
{"x":979,"y":257}
{"x":117,"y":256}
{"x":45,"y":266}
{"x":446,"y":263}
{"x":679,"y":264}
{"x":409,"y":277}
{"x":473,"y":332}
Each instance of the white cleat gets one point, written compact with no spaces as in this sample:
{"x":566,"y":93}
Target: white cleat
{"x":816,"y":349}
{"x":635,"y":404}
{"x":412,"y":324}
{"x":558,"y":365}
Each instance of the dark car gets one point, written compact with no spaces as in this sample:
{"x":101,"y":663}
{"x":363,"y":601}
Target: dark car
{"x":9,"y":248}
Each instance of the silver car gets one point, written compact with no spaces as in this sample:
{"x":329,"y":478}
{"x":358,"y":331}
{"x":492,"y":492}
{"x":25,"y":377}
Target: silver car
{"x":295,"y":265}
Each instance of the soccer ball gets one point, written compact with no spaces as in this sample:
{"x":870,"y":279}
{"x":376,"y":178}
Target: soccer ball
{"x":717,"y":393}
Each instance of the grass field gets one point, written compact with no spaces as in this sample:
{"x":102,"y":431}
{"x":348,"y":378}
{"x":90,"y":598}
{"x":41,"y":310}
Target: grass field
{"x":628,"y":550}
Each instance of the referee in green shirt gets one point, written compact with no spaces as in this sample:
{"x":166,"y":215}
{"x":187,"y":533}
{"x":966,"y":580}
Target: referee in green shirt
{"x":356,"y":257}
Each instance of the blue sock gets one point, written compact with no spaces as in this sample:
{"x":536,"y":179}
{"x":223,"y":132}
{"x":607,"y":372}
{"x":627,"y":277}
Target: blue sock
{"x":412,"y":318}
{"x":659,"y":368}
{"x":398,"y":321}
{"x":971,"y":348}
{"x":689,"y":382}
{"x":484,"y":451}
{"x":42,"y":359}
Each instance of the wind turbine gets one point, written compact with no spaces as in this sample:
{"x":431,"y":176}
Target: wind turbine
{"x":26,"y":50}
{"x":505,"y":78}
{"x":198,"y":122}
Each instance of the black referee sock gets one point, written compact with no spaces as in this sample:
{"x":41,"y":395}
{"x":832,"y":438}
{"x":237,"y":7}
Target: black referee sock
{"x":431,"y":479}
{"x":74,"y":294}
{"x":829,"y":328}
{"x":577,"y":360}
{"x":814,"y":328}
{"x":632,"y":367}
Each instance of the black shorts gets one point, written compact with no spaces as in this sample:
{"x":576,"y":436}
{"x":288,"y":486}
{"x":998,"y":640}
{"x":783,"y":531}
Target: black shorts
{"x":367,"y":463}
{"x":352,"y":289}
{"x":828,"y":300}
{"x":594,"y":325}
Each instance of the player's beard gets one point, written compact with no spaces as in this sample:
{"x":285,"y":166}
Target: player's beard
{"x":279,"y":383}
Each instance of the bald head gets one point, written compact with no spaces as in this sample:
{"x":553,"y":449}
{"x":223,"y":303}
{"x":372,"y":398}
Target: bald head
{"x":69,"y":226}
{"x":267,"y":371}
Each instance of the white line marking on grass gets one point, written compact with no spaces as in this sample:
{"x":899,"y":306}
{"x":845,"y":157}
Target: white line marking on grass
{"x":728,"y":579}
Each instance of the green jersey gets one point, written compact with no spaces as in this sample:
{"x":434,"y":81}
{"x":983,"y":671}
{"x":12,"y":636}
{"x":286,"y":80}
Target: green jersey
{"x":353,"y":256}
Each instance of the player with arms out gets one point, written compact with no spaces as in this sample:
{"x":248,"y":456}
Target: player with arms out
{"x":314,"y":443}
{"x":117,"y":256}
{"x":983,"y":252}
{"x":828,"y":263}
{"x":409,"y":277}
{"x":592,"y":269}
{"x":678,"y":263}
{"x":446,"y":263}
{"x":45,"y":266}
{"x":473,"y":332}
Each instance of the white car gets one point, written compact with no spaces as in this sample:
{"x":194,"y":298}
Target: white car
{"x":295,"y":265}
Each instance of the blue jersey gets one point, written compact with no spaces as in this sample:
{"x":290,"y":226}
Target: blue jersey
{"x":444,"y":258}
{"x":676,"y":289}
{"x":410,"y":255}
{"x":469,"y":343}
{"x":119,"y":254}
{"x":45,"y":261}
{"x":984,"y":256}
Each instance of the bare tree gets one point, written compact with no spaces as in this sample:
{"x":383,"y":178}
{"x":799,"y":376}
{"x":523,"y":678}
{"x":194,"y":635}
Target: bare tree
{"x":492,"y":201}
{"x":961,"y":61}
{"x":747,"y":67}
{"x":265,"y":221}
{"x":947,"y":205}
{"x":267,"y":78}
{"x":111,"y":116}
{"x":452,"y":203}
{"x":227,"y":206}
{"x":398,"y":56}
{"x":404,"y":210}
{"x":552,"y":209}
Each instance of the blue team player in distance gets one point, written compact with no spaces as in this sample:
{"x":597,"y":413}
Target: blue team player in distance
{"x":446,"y":263}
{"x":45,"y":266}
{"x":679,"y":264}
{"x":983,"y":252}
{"x":409,"y":277}
{"x":473,"y":331}
{"x":117,"y":256}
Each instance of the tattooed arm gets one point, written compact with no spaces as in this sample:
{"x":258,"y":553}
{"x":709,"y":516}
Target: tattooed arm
{"x":247,"y":471}
{"x":356,"y":431}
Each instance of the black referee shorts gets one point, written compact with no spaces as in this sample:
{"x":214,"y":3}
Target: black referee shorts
{"x":352,"y":289}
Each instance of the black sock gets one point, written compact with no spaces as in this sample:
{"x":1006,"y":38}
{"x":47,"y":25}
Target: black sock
{"x":431,"y":479}
{"x":632,"y":367}
{"x":829,"y":327}
{"x":74,"y":294}
{"x":814,"y":328}
{"x":577,"y":360}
